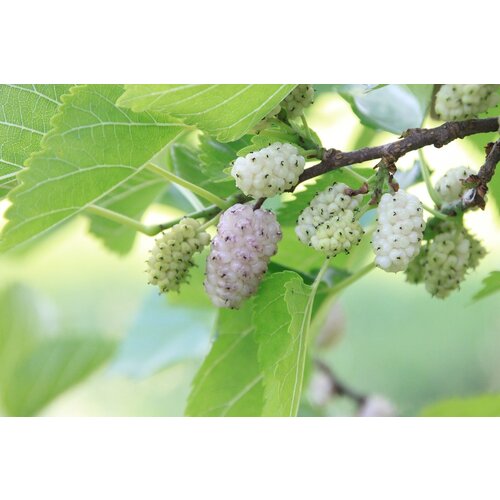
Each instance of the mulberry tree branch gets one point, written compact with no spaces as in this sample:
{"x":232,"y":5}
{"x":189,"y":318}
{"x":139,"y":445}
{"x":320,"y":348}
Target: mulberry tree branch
{"x":411,"y":140}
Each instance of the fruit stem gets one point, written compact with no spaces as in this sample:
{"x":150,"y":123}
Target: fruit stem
{"x":424,"y":167}
{"x":351,"y":279}
{"x":306,"y":127}
{"x":355,"y":175}
{"x":121,"y":219}
{"x":210,"y":222}
{"x":437,"y":214}
{"x":207,"y":195}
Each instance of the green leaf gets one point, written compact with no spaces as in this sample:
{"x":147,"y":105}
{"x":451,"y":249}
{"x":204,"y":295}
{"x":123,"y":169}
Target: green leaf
{"x":94,"y":149}
{"x":487,"y":405}
{"x":276,"y":132}
{"x":52,"y":368}
{"x":491,"y":284}
{"x":229,"y":382}
{"x":394,"y":108}
{"x":163,"y":334}
{"x":21,"y":321}
{"x":226,"y":112}
{"x":281,"y":319}
{"x":25,"y":114}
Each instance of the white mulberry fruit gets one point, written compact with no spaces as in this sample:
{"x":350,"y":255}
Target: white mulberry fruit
{"x":399,"y":231}
{"x":240,"y":252}
{"x":447,"y":262}
{"x":329,"y":222}
{"x":171,"y":256}
{"x":456,"y":102}
{"x":450,"y":187}
{"x":270,"y":171}
{"x":300,"y":98}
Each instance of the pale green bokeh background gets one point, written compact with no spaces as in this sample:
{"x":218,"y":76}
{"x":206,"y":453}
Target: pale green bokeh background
{"x":398,"y":341}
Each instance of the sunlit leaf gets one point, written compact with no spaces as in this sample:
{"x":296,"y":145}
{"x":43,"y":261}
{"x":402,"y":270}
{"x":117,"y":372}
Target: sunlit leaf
{"x":94,"y":149}
{"x":25,"y":114}
{"x":226,"y":112}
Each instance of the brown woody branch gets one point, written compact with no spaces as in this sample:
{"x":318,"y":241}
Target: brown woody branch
{"x":411,"y":140}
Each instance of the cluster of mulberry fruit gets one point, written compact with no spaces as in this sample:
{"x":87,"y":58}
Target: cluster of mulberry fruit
{"x":247,"y":236}
{"x":400,"y":225}
{"x":445,"y":260}
{"x":239,"y":255}
{"x":270,"y":171}
{"x":172,"y":254}
{"x":457,"y":102}
{"x":329,"y":223}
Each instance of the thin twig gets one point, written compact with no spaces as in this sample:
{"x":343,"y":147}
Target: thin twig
{"x":338,"y":388}
{"x":411,"y":140}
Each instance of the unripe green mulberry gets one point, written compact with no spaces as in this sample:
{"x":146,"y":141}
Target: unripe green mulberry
{"x":477,"y":252}
{"x":415,"y":271}
{"x":171,"y":256}
{"x":456,"y":102}
{"x":329,"y":224}
{"x":300,"y":98}
{"x":447,"y":262}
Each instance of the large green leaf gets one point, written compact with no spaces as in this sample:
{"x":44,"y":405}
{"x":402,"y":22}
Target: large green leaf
{"x":25,"y":114}
{"x":394,"y":108}
{"x":163,"y":334}
{"x":487,"y":405}
{"x":21,"y":321}
{"x":50,"y":369}
{"x":281,"y":323}
{"x":491,"y":284}
{"x":94,"y":149}
{"x":229,"y":382}
{"x":226,"y":112}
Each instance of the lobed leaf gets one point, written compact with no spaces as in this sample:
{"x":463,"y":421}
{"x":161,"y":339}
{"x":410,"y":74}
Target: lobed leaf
{"x":93,"y":152}
{"x":25,"y":114}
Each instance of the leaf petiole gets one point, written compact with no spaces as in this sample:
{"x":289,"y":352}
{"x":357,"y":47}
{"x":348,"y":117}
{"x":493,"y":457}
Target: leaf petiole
{"x":424,"y":166}
{"x":207,"y":195}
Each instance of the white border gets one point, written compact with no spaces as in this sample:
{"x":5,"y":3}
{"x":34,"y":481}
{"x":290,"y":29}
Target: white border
{"x":249,"y":458}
